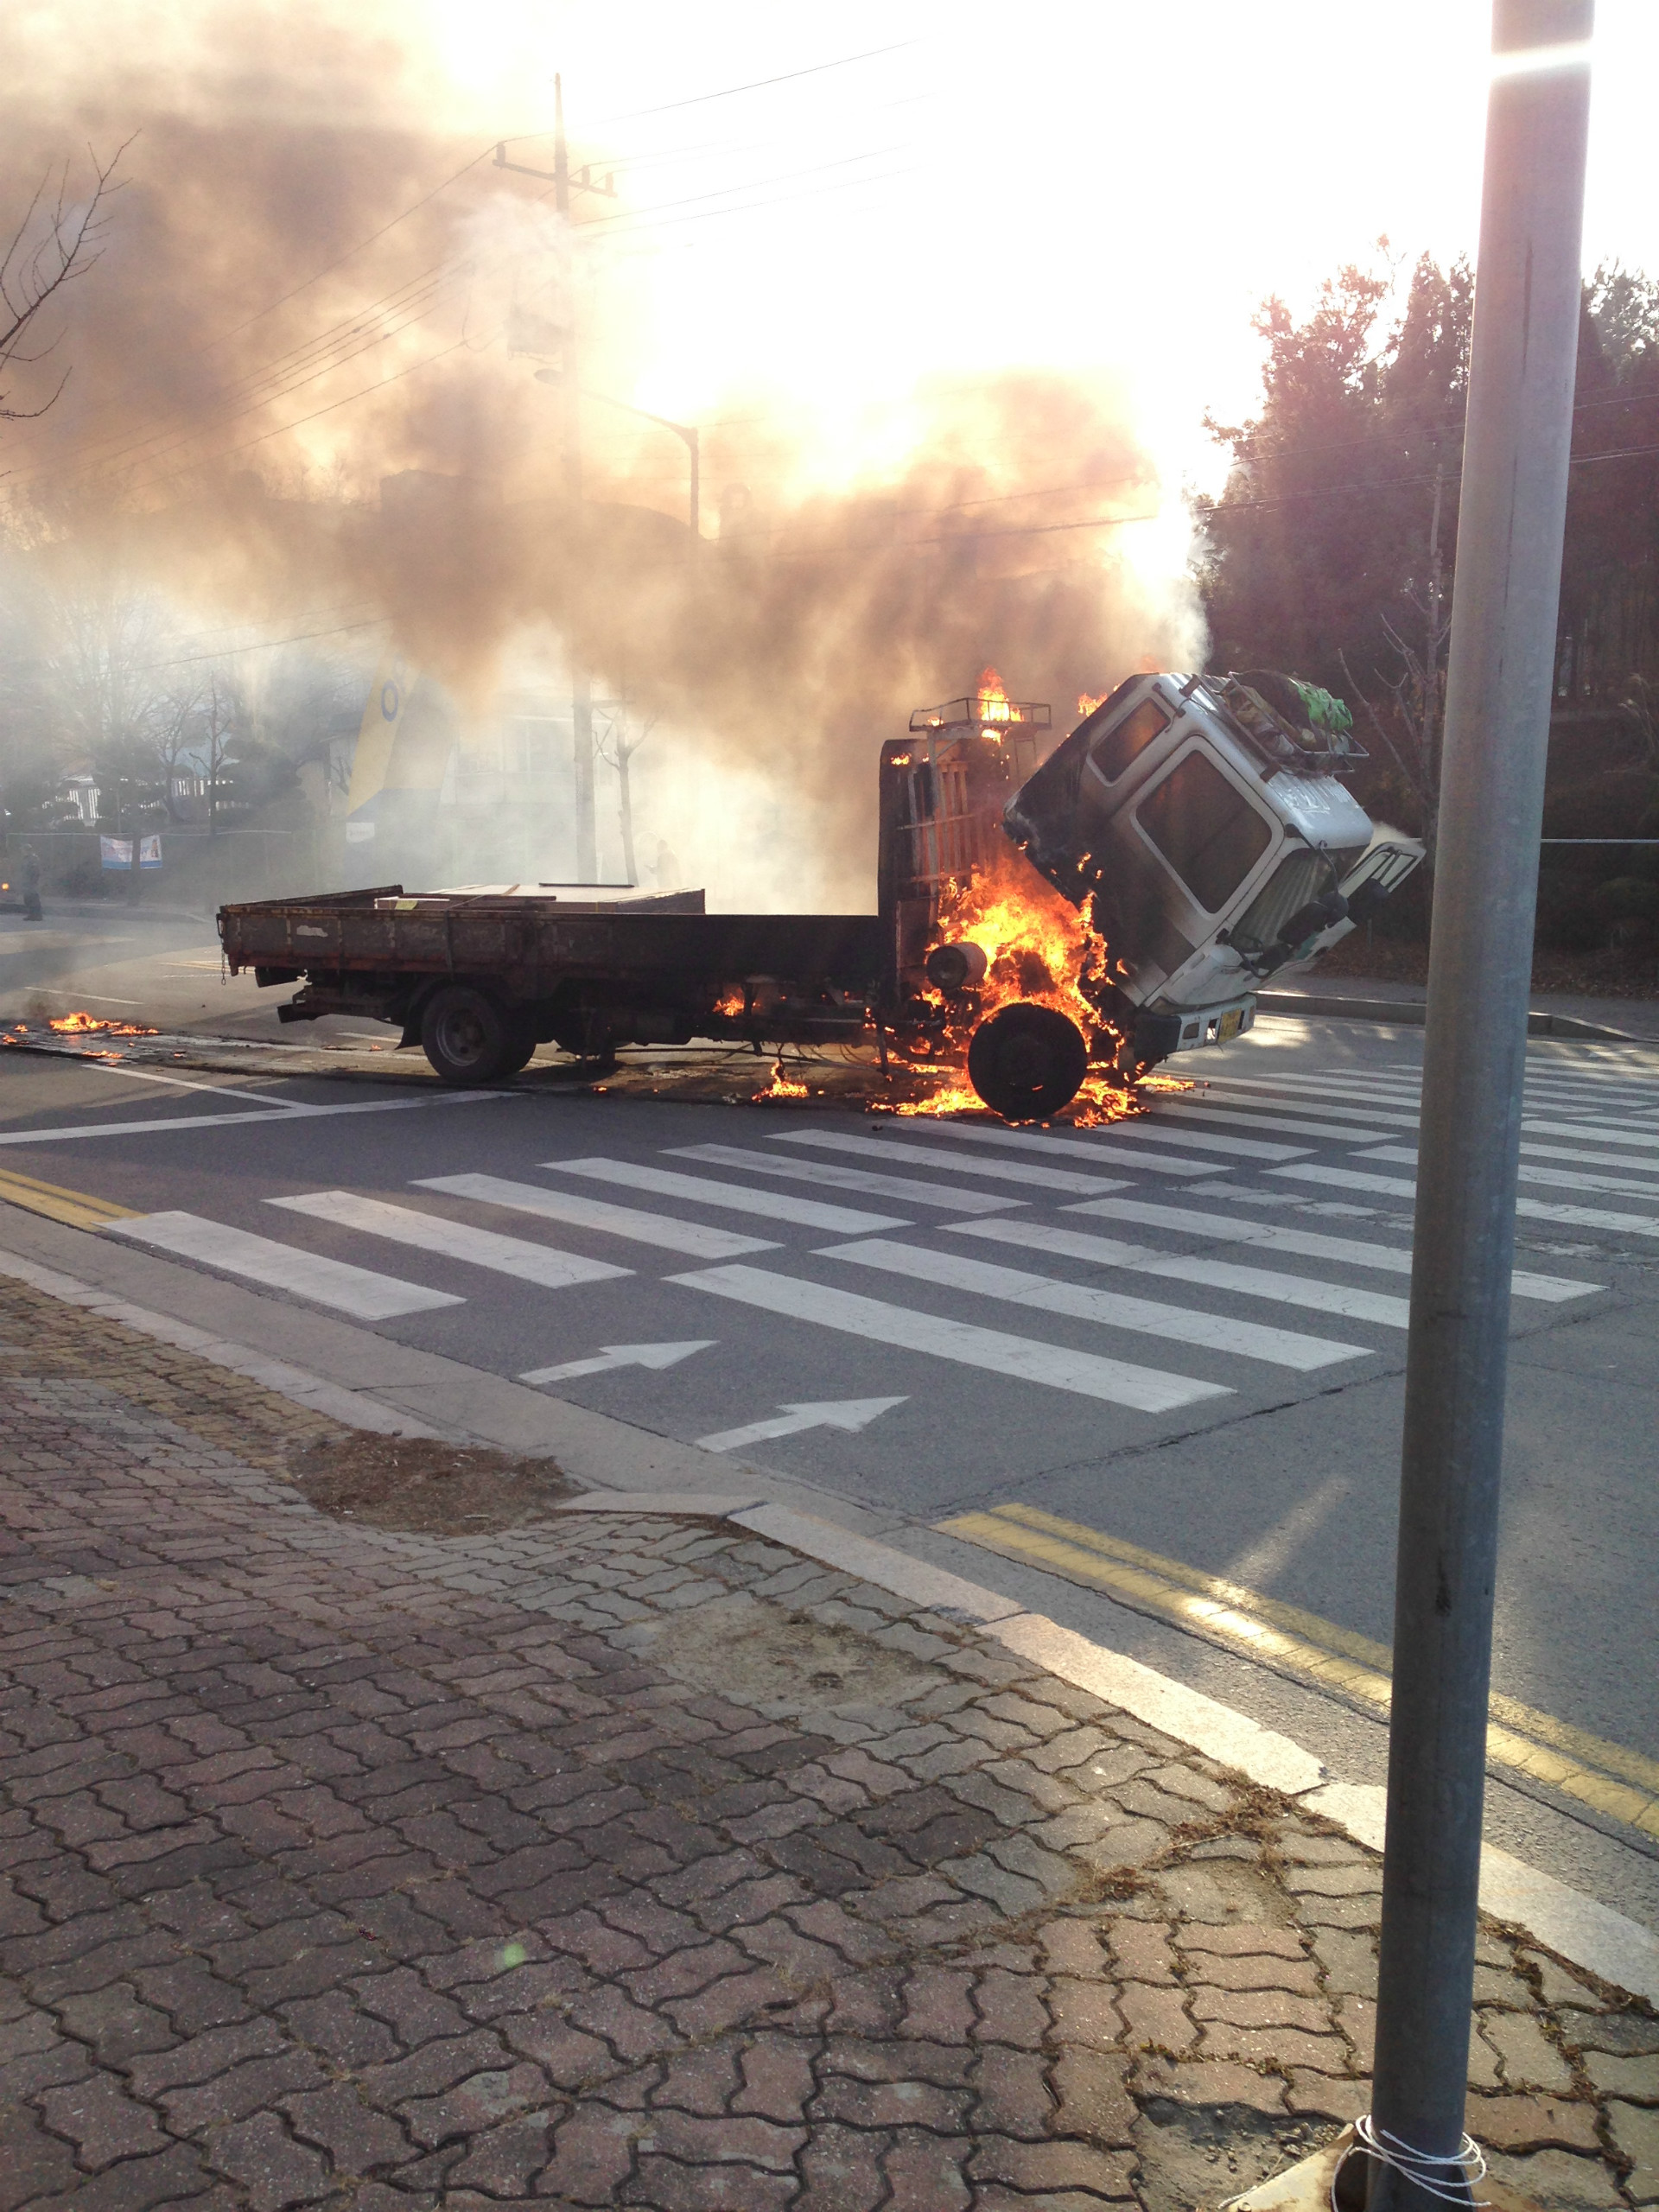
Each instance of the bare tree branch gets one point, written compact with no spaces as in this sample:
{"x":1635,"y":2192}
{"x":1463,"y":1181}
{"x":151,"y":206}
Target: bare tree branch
{"x":35,"y":267}
{"x":1413,"y":771}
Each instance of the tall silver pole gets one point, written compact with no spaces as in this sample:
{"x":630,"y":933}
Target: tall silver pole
{"x":1499,"y":680}
{"x":582,"y":684}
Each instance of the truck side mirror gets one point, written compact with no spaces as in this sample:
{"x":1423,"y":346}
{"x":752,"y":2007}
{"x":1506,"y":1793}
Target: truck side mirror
{"x":1368,"y":897}
{"x":1317,"y":914}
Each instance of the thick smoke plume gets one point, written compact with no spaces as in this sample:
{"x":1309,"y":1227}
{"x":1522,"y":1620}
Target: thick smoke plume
{"x":287,"y":314}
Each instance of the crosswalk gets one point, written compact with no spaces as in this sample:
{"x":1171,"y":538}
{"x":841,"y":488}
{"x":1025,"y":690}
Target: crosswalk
{"x":1053,"y":1261}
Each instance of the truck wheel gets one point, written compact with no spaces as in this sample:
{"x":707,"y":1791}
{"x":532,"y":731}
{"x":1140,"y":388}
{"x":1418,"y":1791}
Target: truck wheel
{"x":1027,"y":1062}
{"x":468,"y":1038}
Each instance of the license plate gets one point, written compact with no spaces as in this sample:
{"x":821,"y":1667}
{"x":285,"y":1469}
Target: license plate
{"x":1229,"y":1026}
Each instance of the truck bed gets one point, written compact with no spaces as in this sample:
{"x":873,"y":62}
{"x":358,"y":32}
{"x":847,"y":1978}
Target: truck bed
{"x":533,"y":944}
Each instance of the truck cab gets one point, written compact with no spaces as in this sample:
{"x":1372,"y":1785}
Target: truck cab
{"x":1200,"y":823}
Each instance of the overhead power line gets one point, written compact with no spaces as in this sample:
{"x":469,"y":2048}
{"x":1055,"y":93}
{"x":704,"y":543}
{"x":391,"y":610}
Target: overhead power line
{"x":1453,"y":432}
{"x":265,"y":645}
{"x":1400,"y":483}
{"x":730,"y":92}
{"x":247,"y":444}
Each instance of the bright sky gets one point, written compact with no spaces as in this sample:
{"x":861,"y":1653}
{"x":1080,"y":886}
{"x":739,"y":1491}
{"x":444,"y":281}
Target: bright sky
{"x":1104,"y":185}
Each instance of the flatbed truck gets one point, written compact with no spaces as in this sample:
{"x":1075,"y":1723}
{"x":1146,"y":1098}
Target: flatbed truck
{"x":1195,"y":826}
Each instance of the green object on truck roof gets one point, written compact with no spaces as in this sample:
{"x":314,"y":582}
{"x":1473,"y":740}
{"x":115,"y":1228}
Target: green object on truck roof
{"x":1324,"y":710}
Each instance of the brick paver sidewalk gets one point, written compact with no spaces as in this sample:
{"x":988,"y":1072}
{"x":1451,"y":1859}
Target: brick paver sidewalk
{"x":636,"y":1863}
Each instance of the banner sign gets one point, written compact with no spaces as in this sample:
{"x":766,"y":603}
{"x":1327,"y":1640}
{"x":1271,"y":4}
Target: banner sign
{"x":117,"y":852}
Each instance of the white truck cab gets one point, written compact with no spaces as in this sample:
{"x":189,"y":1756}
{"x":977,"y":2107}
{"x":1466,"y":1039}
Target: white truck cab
{"x":1202,"y":821}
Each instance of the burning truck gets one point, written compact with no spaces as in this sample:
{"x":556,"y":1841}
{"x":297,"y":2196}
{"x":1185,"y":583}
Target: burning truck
{"x":1104,"y":904}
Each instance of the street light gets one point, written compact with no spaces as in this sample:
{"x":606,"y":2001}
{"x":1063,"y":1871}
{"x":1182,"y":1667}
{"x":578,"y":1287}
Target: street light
{"x":688,"y":433}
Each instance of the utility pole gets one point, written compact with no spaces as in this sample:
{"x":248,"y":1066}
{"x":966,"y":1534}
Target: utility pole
{"x":1499,"y":681}
{"x":569,"y":384}
{"x":582,"y":681}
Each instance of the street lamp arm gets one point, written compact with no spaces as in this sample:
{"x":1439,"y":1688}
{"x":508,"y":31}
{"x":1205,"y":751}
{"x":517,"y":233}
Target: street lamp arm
{"x":688,"y":432}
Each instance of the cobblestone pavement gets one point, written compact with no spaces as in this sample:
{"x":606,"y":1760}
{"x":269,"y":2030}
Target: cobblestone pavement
{"x":636,"y":1863}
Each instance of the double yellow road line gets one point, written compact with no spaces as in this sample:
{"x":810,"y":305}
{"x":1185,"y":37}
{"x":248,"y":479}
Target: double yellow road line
{"x":1620,"y":1783}
{"x":76,"y":1209}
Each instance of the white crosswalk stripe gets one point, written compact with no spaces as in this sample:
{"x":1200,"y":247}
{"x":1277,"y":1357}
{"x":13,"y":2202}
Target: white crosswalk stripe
{"x":896,"y":1189}
{"x":730,"y":1198}
{"x":1598,"y":1133}
{"x":1001,"y":1171}
{"x":1634,"y":1162}
{"x":1141,"y":1316}
{"x":452,"y":1240}
{"x":333,"y":1283}
{"x":1310,"y":1244}
{"x":1629,"y":1225}
{"x":1559,"y":1178}
{"x":1093,"y":1149}
{"x":1211,"y":1274}
{"x":1346,"y":1179}
{"x":1242,"y":1117}
{"x":1336,"y":1094}
{"x":696,"y":1239}
{"x":1140,"y":1133}
{"x":1026,"y":1359}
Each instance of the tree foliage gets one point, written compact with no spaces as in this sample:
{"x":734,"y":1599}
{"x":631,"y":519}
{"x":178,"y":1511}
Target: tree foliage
{"x":1331,"y":550}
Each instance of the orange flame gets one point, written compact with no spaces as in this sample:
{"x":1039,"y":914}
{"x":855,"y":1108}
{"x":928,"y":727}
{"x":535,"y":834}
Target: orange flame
{"x":993,"y":704}
{"x":1037,"y":946}
{"x":779,"y":1087}
{"x":1038,"y":949}
{"x":1087,"y":702}
{"x":82,"y":1024}
{"x":731,"y":1003}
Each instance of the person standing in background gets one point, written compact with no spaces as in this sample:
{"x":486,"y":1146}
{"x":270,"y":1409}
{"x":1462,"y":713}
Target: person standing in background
{"x":28,"y":872}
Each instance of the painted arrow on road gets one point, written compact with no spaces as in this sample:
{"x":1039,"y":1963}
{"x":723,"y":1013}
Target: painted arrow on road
{"x":610,"y":1356}
{"x":835,"y":1413}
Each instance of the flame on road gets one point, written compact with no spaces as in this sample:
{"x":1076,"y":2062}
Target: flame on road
{"x":779,"y":1087}
{"x":82,"y":1024}
{"x":78,"y":1024}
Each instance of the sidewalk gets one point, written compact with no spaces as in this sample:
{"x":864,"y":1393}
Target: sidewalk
{"x":610,"y":1861}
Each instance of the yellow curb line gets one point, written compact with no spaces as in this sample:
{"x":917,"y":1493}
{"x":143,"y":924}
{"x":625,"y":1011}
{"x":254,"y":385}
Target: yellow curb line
{"x":75,"y":1209}
{"x":1621,"y":1783}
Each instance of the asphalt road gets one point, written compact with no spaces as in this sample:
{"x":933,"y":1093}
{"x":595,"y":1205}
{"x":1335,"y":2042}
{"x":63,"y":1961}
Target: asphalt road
{"x":1183,"y":1335}
{"x":154,"y":963}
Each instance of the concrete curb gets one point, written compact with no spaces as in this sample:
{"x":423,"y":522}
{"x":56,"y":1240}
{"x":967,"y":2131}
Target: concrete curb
{"x":1576,"y":1927}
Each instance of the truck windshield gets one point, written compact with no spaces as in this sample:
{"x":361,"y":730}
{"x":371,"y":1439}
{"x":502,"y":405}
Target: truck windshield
{"x":1301,"y":876}
{"x":1205,"y":829}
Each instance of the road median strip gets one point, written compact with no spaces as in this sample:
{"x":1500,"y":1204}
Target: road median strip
{"x":74,"y":1209}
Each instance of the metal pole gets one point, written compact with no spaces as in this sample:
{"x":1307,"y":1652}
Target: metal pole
{"x":581,"y":686}
{"x":1500,"y":676}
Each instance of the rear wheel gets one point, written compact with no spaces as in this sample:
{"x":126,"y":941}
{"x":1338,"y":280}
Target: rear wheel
{"x":1027,"y":1062}
{"x":470,"y":1038}
{"x":525,"y":1041}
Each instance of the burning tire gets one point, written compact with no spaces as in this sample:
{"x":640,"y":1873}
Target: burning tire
{"x":1027,"y":1062}
{"x":469,"y":1037}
